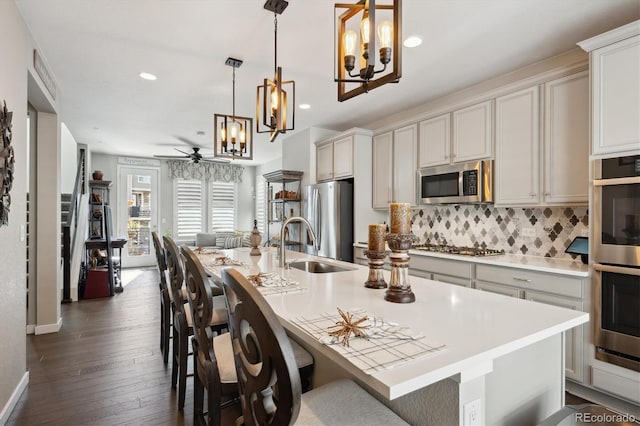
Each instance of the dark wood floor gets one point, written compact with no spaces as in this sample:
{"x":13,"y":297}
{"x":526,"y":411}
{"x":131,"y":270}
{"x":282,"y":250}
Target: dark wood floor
{"x":104,"y":367}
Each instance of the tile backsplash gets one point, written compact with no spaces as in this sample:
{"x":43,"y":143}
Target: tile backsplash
{"x":548,"y":230}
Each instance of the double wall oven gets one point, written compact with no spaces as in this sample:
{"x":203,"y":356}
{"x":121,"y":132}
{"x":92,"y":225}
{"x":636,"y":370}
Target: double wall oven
{"x":616,"y":251}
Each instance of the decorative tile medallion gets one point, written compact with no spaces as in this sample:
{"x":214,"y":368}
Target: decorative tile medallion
{"x":486,"y":226}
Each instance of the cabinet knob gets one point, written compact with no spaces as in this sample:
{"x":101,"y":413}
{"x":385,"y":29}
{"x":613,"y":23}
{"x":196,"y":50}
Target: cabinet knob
{"x":533,"y":194}
{"x":546,"y":193}
{"x":446,"y":157}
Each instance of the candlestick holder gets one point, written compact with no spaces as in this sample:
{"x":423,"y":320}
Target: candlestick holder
{"x":399,"y":290}
{"x":376,"y":262}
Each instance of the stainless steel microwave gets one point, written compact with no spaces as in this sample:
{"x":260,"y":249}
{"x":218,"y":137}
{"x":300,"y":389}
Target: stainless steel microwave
{"x":464,"y":183}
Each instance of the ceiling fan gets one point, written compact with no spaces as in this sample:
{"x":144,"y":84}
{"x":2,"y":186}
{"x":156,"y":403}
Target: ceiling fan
{"x":194,"y":157}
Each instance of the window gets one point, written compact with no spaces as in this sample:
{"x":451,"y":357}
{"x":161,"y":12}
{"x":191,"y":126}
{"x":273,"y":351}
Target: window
{"x":189,"y":209}
{"x":196,"y":212}
{"x":260,"y":203}
{"x":223,"y":203}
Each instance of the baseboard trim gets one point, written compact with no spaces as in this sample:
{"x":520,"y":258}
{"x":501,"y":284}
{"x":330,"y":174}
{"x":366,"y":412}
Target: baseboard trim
{"x":13,"y":399}
{"x":48,"y":328}
{"x":31,"y":328}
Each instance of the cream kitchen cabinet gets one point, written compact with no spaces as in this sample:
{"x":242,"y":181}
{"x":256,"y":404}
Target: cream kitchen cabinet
{"x":517,"y":165}
{"x":334,"y":160}
{"x":443,"y":270}
{"x":472,"y":133}
{"x":394,"y":167}
{"x":551,"y":289}
{"x":552,"y":170}
{"x":463,"y":135}
{"x":615,"y":85}
{"x":382,"y":177}
{"x":435,"y":141}
{"x":566,"y":140}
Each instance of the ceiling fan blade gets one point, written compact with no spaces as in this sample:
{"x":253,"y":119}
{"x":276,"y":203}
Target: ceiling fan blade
{"x":172,"y":156}
{"x":188,"y":141}
{"x":220,"y":160}
{"x":188,"y":154}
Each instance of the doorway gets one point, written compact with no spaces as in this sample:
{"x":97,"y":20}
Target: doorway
{"x":138,"y":213}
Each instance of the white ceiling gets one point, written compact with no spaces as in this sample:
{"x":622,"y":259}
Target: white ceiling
{"x":96,"y":49}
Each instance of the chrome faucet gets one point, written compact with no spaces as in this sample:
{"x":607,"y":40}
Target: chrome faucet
{"x":282,"y":250}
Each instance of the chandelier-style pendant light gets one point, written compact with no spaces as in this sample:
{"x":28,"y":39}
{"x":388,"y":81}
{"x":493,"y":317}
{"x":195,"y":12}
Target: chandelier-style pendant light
{"x":362,"y":17}
{"x":233,"y":134}
{"x":275,"y":98}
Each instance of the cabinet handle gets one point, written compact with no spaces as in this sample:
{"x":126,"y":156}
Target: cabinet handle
{"x":525,"y":280}
{"x":533,"y":194}
{"x":546,"y":194}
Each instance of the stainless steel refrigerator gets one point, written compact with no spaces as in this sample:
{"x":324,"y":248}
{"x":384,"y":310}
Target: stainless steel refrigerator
{"x":329,"y":208}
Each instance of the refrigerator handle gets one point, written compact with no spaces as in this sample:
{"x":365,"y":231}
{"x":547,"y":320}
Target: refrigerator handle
{"x":318,"y":218}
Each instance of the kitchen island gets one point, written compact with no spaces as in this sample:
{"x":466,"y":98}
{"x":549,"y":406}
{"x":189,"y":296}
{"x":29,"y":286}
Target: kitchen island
{"x":503,"y":358}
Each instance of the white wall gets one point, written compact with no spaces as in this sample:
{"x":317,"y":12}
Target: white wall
{"x":69,"y":160}
{"x":13,"y":90}
{"x":17,"y":79}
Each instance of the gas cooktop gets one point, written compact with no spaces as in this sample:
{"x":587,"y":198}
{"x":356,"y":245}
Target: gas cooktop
{"x":465,"y":251}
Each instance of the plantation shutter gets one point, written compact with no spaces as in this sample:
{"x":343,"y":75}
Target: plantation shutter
{"x":260,"y":203}
{"x":189,"y":207}
{"x":223,"y":201}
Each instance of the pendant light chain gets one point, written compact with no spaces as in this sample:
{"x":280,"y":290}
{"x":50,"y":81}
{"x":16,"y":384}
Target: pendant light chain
{"x":275,"y":43}
{"x":234,"y":94}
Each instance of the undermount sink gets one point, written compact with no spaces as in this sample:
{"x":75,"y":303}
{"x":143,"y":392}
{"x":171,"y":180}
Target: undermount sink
{"x":315,"y":267}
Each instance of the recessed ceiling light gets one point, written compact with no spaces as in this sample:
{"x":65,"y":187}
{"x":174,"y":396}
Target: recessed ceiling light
{"x":412,"y":41}
{"x":147,"y":76}
{"x":304,"y":106}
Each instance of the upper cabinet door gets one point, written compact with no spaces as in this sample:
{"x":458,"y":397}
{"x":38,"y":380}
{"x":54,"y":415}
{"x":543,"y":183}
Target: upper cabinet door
{"x":324,"y":162}
{"x":343,"y":158}
{"x":435,"y":141}
{"x":472,"y":132}
{"x":566,"y":140}
{"x":382,"y":164}
{"x":616,"y":96}
{"x":405,"y":150}
{"x":518,"y":148}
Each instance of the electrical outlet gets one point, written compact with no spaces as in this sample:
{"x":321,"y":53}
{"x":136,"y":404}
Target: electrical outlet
{"x":472,"y":413}
{"x":528,"y":232}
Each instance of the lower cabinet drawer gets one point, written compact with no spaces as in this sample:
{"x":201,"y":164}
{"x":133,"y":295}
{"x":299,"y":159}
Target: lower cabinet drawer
{"x":533,"y":280}
{"x":464,"y":282}
{"x":499,"y":289}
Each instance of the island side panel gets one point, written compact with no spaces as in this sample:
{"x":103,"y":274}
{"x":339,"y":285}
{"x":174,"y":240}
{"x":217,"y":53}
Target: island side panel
{"x":526,"y":386}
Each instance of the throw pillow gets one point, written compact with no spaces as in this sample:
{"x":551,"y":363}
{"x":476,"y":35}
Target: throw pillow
{"x":232,"y":242}
{"x":204,"y":239}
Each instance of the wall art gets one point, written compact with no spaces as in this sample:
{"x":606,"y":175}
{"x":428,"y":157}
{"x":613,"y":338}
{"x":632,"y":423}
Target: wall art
{"x":7,"y":162}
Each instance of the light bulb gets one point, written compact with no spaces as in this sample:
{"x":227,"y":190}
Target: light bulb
{"x":385,"y":34}
{"x":274,"y":100}
{"x":223,"y":133}
{"x":233,"y":131}
{"x":349,"y":40}
{"x":243,"y":135}
{"x":364,"y":28}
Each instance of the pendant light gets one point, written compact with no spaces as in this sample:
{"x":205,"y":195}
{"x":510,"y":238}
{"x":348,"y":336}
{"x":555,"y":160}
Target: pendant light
{"x":389,"y":32}
{"x":275,"y":99}
{"x":233,"y":134}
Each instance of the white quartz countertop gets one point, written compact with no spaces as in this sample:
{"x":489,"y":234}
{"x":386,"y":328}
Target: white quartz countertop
{"x":533,"y":263}
{"x":476,"y":326}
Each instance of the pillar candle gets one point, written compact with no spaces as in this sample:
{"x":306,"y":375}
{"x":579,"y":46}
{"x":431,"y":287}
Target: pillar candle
{"x":400,"y":218}
{"x":376,"y":237}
